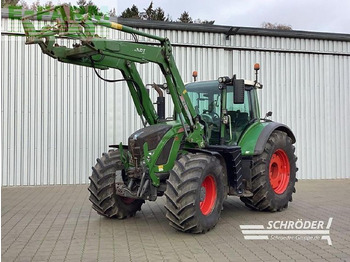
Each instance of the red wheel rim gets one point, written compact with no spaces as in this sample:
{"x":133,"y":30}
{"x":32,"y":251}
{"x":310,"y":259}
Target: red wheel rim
{"x":208,"y":195}
{"x":279,"y":171}
{"x":127,"y":200}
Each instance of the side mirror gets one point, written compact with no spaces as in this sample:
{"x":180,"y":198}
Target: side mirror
{"x":238,"y":91}
{"x":268,"y":114}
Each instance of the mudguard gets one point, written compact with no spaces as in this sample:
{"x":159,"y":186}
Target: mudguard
{"x":255,"y":137}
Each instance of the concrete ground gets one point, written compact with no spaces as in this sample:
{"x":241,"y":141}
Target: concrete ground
{"x":57,"y":223}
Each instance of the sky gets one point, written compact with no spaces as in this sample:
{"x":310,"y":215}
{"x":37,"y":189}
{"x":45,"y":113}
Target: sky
{"x":307,"y":15}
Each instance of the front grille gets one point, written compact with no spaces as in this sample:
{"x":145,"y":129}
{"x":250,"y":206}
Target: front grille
{"x":150,"y":134}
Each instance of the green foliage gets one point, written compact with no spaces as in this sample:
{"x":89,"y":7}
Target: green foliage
{"x":158,"y":14}
{"x":268,"y":25}
{"x":132,"y":12}
{"x":185,"y":18}
{"x":7,"y":3}
{"x":149,"y":14}
{"x":82,"y":7}
{"x":87,"y":7}
{"x":83,"y":3}
{"x":149,"y":11}
{"x":209,"y":22}
{"x":155,"y":14}
{"x":36,"y":6}
{"x":112,"y":12}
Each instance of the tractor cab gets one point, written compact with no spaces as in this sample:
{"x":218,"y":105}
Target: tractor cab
{"x":227,"y":108}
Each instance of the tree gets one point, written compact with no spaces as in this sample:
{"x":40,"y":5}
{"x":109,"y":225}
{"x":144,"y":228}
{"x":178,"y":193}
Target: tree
{"x":149,"y":11}
{"x":132,"y":12}
{"x":48,"y":5}
{"x":24,"y":5}
{"x":155,"y":14}
{"x":112,"y":12}
{"x":159,"y":14}
{"x":82,"y":3}
{"x":7,"y":3}
{"x":268,"y":25}
{"x":208,"y":22}
{"x":36,"y":6}
{"x":168,"y":18}
{"x":185,"y":18}
{"x":87,"y":7}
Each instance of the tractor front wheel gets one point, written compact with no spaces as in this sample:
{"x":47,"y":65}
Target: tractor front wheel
{"x":195,"y":193}
{"x":102,"y":189}
{"x":273,"y":175}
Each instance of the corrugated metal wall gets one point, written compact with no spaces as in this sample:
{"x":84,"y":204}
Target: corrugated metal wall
{"x":58,"y":118}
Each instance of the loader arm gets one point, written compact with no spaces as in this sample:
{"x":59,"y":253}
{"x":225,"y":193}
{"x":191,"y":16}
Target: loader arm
{"x":101,"y":53}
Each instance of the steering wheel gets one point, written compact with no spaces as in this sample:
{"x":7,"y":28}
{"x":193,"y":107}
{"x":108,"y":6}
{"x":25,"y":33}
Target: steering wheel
{"x":212,"y":114}
{"x":216,"y":116}
{"x":212,"y":119}
{"x":207,"y":118}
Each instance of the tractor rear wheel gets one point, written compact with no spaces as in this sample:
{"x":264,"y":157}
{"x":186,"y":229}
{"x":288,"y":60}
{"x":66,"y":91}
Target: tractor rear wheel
{"x":195,"y":193}
{"x":102,"y":189}
{"x":273,"y":175}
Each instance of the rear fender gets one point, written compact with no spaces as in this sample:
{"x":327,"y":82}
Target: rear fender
{"x":254,"y":139}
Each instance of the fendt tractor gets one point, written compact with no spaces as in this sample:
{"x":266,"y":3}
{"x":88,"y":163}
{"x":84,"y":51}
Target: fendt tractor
{"x":214,"y":145}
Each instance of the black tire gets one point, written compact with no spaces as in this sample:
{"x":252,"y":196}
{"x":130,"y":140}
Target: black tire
{"x":273,"y":194}
{"x":185,"y":193}
{"x":102,"y":189}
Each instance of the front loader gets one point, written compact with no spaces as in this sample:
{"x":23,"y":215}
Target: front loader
{"x":215,"y":144}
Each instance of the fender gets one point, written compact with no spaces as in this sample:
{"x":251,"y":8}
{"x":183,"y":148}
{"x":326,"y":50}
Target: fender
{"x":255,"y":137}
{"x":215,"y":154}
{"x":267,"y":131}
{"x":201,"y":150}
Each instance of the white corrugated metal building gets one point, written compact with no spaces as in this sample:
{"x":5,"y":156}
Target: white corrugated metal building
{"x":56,"y":119}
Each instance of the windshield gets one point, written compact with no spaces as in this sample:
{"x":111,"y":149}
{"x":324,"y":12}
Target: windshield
{"x":206,"y":100}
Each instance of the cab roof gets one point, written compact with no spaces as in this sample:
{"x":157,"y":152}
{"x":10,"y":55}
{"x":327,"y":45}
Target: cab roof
{"x":207,"y":86}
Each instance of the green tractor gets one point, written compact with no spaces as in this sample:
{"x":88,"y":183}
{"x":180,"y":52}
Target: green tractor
{"x":215,"y":144}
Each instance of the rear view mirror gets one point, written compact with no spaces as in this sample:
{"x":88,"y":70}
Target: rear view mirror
{"x":238,"y":91}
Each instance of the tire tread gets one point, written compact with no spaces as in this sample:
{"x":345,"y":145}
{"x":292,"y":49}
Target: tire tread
{"x":102,"y":188}
{"x":260,"y":200}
